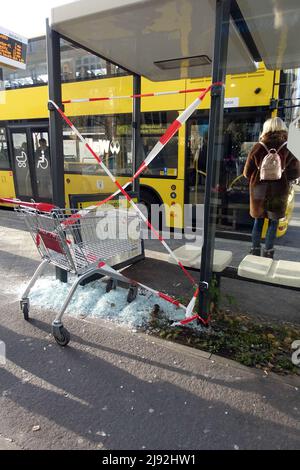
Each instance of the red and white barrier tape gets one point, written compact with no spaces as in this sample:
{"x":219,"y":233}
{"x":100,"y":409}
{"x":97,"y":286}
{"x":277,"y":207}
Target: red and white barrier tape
{"x":172,"y":129}
{"x":142,"y":95}
{"x":40,"y":206}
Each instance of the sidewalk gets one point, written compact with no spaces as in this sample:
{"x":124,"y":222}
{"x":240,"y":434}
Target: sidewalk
{"x":113,"y":388}
{"x":7,"y":444}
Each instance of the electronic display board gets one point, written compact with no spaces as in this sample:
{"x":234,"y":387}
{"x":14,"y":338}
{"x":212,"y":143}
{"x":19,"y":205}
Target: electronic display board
{"x":13,"y":49}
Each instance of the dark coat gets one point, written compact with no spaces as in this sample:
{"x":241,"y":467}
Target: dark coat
{"x":269,"y":198}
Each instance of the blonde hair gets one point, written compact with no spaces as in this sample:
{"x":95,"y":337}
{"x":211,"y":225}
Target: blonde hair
{"x":273,"y":125}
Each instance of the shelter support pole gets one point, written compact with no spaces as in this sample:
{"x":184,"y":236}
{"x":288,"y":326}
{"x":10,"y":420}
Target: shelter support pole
{"x":136,"y":133}
{"x":55,"y":125}
{"x":214,"y":153}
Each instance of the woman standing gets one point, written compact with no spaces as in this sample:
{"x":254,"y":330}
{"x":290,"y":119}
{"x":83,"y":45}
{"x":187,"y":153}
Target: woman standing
{"x":269,"y":197}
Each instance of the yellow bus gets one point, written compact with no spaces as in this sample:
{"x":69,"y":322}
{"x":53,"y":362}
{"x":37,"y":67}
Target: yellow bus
{"x":176,"y":176}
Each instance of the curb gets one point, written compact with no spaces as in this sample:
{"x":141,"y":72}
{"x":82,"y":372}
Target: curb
{"x":292,"y":381}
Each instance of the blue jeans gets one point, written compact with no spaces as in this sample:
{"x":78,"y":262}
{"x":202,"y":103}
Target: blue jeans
{"x":270,"y":235}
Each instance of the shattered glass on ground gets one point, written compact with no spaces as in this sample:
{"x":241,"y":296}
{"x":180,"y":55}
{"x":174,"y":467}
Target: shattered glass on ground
{"x":93,"y":301}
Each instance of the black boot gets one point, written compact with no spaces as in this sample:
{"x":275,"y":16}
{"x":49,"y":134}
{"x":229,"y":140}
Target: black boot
{"x":256,"y":251}
{"x":269,"y":253}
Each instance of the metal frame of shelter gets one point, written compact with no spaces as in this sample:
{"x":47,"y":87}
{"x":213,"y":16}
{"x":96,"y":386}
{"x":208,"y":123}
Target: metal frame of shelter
{"x":224,"y":10}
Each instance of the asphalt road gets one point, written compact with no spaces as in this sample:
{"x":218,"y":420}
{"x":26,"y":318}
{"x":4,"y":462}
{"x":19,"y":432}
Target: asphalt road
{"x":113,"y":388}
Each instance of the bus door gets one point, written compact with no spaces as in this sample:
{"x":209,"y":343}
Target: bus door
{"x":31,"y":163}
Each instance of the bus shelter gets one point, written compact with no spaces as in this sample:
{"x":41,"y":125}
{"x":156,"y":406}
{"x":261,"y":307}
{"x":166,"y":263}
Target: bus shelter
{"x":172,"y":39}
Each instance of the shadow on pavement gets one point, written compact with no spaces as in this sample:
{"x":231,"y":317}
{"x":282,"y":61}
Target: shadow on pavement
{"x":104,"y":398}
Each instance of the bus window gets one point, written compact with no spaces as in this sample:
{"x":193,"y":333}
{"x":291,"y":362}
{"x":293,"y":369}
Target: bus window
{"x":4,"y":159}
{"x":21,"y":164}
{"x":67,"y":71}
{"x":109,"y":136}
{"x":153,"y":126}
{"x":79,"y":64}
{"x":42,"y":164}
{"x":36,"y":67}
{"x":240,"y":132}
{"x":196,"y":159}
{"x":76,"y":64}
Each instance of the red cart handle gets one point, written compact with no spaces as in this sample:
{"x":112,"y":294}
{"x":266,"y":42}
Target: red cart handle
{"x":40,"y":206}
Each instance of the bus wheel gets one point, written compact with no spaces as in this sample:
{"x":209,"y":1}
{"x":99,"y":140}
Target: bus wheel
{"x":148,"y":198}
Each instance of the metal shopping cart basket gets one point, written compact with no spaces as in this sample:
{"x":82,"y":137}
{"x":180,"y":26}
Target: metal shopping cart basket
{"x":97,"y":242}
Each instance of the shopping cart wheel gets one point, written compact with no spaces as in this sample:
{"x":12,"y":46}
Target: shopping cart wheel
{"x":61,"y":335}
{"x":24,"y":303}
{"x":111,"y":284}
{"x":132,"y":293}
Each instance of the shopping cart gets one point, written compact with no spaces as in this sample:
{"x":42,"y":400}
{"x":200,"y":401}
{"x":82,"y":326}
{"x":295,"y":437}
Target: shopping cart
{"x":96,"y":243}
